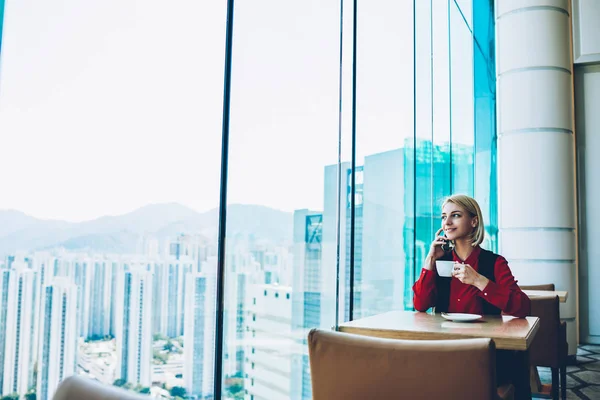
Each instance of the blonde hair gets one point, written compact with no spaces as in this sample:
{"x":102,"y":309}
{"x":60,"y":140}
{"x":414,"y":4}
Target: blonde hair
{"x":470,"y":205}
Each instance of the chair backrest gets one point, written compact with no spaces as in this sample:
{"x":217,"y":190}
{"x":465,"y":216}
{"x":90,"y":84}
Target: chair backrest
{"x":545,"y":286}
{"x":352,"y":367}
{"x":78,"y":388}
{"x":545,"y":349}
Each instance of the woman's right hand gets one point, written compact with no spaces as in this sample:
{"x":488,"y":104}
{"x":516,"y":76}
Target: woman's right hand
{"x":435,"y":250}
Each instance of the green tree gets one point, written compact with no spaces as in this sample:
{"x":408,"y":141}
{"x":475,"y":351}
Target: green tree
{"x":119,"y":382}
{"x":30,"y":396}
{"x":178,"y":391}
{"x":160,"y":357}
{"x":236,"y":387}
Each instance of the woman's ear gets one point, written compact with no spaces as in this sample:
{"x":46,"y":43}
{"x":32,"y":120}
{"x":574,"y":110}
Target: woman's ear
{"x":474,"y":222}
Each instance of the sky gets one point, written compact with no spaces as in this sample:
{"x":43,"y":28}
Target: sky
{"x":109,"y":106}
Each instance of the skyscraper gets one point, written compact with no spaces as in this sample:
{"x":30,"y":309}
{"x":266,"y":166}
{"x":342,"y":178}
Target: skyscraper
{"x":332,"y":255}
{"x":269,"y":341}
{"x":134,"y":326}
{"x":18,"y":354}
{"x":199,"y":338}
{"x":80,"y":271}
{"x":58,"y":342}
{"x":382,"y":261}
{"x":4,"y":285}
{"x":100,"y":297}
{"x":354,"y":251}
{"x":168,"y":296}
{"x":307,"y":293}
{"x":43,"y":264}
{"x":117,"y":269}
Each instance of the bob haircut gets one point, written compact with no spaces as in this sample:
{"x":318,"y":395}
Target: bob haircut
{"x":470,"y":205}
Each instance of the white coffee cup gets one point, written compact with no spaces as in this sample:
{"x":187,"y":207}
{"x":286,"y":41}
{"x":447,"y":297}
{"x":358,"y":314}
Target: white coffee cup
{"x":444,"y":268}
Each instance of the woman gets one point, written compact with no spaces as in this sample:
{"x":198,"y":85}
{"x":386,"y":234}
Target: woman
{"x":483,"y":284}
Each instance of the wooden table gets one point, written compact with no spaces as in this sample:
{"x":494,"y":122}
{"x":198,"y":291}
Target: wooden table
{"x":508,"y":333}
{"x":562,"y":295}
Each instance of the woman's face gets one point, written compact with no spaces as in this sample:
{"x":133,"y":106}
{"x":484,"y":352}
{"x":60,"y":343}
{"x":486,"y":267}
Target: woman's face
{"x":457,"y":222}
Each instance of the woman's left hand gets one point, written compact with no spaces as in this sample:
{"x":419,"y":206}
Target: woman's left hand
{"x":467,"y":275}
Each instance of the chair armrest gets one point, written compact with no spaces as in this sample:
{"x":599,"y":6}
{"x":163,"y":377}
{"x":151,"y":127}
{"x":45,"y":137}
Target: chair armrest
{"x":506,"y":392}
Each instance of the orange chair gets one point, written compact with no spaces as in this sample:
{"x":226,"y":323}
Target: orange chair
{"x":352,"y":367}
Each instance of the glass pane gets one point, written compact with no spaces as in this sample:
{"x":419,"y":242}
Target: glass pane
{"x":421,"y":161}
{"x":442,"y":179}
{"x":486,"y":189}
{"x":282,"y":178}
{"x":384,"y":136}
{"x":113,"y":121}
{"x":432,"y":153}
{"x":462,"y":104}
{"x":465,"y":9}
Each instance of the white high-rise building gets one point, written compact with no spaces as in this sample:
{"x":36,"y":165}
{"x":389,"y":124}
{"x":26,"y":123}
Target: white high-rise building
{"x":199,"y":337}
{"x":79,"y":270}
{"x":171,"y":292}
{"x":233,"y":321}
{"x":4,"y":282}
{"x":58,"y":340}
{"x":117,"y":270}
{"x":381,"y":275}
{"x":134,"y":326}
{"x":168,"y":297}
{"x":330,"y":255}
{"x":43,"y":265}
{"x":269,"y":341}
{"x":308,"y":294}
{"x":100,"y":299}
{"x":18,"y":348}
{"x":158,"y":295}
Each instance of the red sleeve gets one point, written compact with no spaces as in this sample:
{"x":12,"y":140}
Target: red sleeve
{"x":505,"y":293}
{"x":425,"y":290}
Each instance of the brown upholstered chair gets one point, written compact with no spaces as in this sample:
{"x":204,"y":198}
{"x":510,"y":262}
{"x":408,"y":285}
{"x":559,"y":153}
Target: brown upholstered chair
{"x":549,"y":347}
{"x":353,"y":367}
{"x":78,"y":388}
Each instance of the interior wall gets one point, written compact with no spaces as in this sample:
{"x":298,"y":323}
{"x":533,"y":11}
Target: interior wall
{"x":586,"y":52}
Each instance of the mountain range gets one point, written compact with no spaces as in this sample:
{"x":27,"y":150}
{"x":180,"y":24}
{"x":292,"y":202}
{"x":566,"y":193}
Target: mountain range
{"x":120,"y":234}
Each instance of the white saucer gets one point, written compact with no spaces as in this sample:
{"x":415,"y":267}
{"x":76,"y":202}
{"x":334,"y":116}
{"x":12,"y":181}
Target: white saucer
{"x":459,"y":317}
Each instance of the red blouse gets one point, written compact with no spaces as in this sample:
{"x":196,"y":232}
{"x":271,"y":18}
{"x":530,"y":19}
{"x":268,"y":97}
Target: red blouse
{"x":504,"y":293}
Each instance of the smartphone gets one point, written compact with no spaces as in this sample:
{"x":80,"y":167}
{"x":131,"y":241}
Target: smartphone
{"x":447,"y":246}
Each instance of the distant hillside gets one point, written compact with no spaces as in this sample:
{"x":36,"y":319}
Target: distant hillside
{"x":120,"y":234}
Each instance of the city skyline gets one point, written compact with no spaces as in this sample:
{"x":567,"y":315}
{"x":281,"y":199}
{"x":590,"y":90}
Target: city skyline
{"x":459,"y":148}
{"x":154,"y":305}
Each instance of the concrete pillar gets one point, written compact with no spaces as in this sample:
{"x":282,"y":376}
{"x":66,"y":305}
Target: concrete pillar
{"x":536,"y":147}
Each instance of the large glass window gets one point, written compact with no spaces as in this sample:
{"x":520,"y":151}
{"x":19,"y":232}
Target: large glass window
{"x":484,"y":89}
{"x":348,"y":124}
{"x":111,"y":131}
{"x":281,"y":221}
{"x":384,"y":136}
